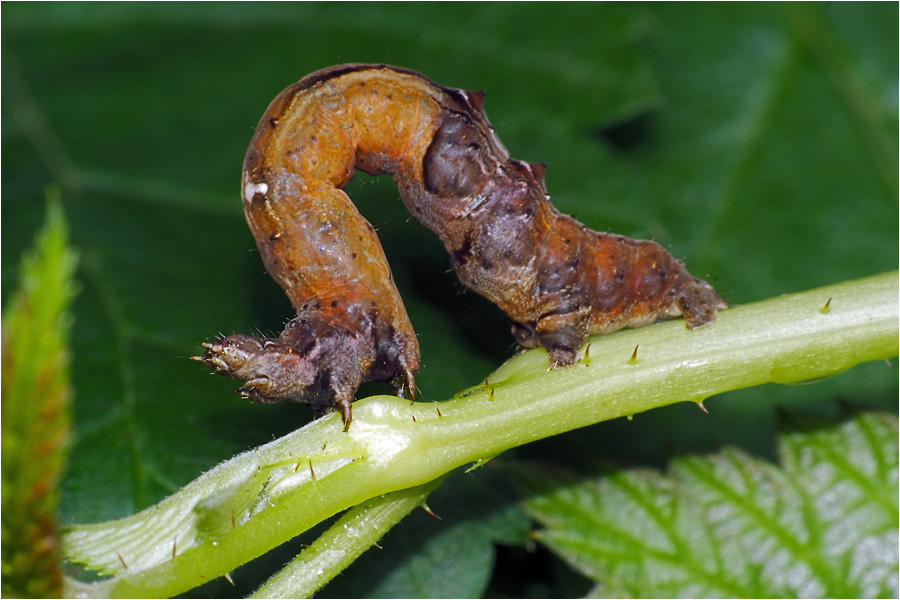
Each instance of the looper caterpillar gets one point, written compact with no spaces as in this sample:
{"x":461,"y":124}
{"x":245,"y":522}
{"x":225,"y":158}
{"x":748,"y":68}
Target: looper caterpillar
{"x":556,"y":279}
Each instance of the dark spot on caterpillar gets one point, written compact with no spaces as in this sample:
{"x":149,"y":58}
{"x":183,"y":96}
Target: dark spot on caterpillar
{"x":461,"y":254}
{"x":451,"y":169}
{"x":557,"y":280}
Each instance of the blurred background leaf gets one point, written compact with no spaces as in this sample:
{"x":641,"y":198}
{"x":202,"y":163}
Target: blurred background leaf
{"x":757,"y":141}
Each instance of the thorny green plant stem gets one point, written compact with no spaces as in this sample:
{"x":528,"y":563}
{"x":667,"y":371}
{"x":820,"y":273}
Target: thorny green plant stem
{"x":358,"y":529}
{"x":266,"y":496}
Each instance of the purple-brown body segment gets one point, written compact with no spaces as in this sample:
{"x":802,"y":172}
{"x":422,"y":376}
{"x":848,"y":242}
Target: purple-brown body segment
{"x":556,"y":279}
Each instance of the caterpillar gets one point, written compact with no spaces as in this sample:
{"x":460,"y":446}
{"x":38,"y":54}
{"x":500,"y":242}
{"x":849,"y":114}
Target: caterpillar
{"x":556,"y":279}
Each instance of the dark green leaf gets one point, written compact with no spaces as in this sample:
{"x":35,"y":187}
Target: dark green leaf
{"x":752,"y":139}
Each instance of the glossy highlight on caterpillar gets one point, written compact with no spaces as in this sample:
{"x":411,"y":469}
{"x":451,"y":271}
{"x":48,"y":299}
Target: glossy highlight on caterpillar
{"x":556,"y":279}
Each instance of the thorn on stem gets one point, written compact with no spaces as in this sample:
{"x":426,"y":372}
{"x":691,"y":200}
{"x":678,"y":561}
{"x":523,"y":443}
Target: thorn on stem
{"x":633,"y":359}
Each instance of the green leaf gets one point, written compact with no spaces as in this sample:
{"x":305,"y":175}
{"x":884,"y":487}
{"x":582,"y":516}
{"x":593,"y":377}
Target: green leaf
{"x":36,"y":411}
{"x":747,"y":138}
{"x":821,"y":523}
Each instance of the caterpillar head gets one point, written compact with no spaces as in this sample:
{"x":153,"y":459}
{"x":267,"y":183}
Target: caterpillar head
{"x":322,"y":373}
{"x":270,"y":369}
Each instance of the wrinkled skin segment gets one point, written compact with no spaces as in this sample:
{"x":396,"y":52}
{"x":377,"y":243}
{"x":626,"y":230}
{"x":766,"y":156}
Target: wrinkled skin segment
{"x":557,"y":280}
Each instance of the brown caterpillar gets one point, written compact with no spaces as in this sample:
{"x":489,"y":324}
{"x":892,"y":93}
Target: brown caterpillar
{"x":556,"y":279}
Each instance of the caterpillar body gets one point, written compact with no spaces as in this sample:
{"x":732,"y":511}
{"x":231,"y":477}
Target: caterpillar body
{"x":556,"y":279}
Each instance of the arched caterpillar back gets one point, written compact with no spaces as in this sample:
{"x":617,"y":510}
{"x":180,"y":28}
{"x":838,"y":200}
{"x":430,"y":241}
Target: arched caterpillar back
{"x":556,"y":279}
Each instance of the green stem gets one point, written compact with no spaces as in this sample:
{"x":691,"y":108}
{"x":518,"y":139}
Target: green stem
{"x":266,"y":496}
{"x":358,"y":529}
